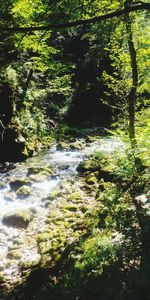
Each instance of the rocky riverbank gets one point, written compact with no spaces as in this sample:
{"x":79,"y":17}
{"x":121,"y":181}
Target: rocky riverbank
{"x":72,"y":208}
{"x":82,"y":220}
{"x":38,"y":223}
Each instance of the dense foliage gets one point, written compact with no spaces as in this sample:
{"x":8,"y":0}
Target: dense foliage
{"x":78,"y":75}
{"x":92,"y":74}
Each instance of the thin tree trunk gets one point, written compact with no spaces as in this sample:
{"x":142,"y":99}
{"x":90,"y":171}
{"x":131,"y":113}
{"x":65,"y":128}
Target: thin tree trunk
{"x":26,"y":86}
{"x":132,"y":93}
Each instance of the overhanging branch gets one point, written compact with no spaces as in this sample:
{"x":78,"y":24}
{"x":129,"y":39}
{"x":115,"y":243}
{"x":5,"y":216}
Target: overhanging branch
{"x":117,"y":13}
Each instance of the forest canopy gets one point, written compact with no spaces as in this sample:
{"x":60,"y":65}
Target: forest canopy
{"x":75,"y":83}
{"x":73,"y":61}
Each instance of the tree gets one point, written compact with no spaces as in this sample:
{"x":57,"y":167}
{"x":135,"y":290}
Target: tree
{"x":132,"y":94}
{"x":37,"y":28}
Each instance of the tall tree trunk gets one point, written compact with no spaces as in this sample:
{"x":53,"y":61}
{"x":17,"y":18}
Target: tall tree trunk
{"x":26,"y":86}
{"x":133,"y":90}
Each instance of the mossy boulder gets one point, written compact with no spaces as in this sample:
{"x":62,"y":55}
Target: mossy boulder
{"x":105,"y":185}
{"x":44,"y":236}
{"x":54,"y":194}
{"x":17,"y":183}
{"x":38,"y":177}
{"x":66,"y":186}
{"x":91,"y":179}
{"x":77,"y":146}
{"x":90,"y":139}
{"x":40,"y":171}
{"x":88,"y":165}
{"x":2,"y":185}
{"x":32,"y":263}
{"x":90,"y":189}
{"x":75,"y":197}
{"x":18,"y":219}
{"x":24,"y":191}
{"x":71,"y":207}
{"x":62,"y":146}
{"x":45,"y":247}
{"x":106,"y":174}
{"x":2,"y":278}
{"x":14,"y":254}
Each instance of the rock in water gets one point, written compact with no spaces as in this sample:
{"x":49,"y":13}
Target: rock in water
{"x":88,"y":165}
{"x":77,"y":146}
{"x":17,"y":183}
{"x":62,"y":146}
{"x":18,"y":219}
{"x":23,"y":192}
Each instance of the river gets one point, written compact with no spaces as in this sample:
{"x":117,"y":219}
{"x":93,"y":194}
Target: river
{"x":18,"y":245}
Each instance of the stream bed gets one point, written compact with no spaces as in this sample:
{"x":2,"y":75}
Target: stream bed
{"x":19,"y":245}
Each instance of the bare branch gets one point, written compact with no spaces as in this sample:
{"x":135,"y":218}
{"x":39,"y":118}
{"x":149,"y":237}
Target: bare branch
{"x":3,"y":130}
{"x":2,"y":125}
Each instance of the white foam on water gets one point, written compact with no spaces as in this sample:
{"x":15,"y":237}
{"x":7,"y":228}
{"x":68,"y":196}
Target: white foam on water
{"x":64,"y":164}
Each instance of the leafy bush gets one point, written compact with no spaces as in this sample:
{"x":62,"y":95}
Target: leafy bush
{"x":32,"y":125}
{"x":143,"y":134}
{"x":98,"y":251}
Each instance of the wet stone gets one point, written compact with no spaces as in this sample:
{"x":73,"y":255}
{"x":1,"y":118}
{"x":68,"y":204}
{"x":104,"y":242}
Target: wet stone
{"x":72,"y":208}
{"x":62,"y":146}
{"x":19,"y":219}
{"x":40,"y":170}
{"x":52,"y":229}
{"x":2,"y":278}
{"x":24,"y":191}
{"x":88,"y":165}
{"x":2,"y":185}
{"x":15,"y":184}
{"x":31,"y":263}
{"x":14,"y":254}
{"x":91,"y":179}
{"x":8,"y":198}
{"x":77,"y":146}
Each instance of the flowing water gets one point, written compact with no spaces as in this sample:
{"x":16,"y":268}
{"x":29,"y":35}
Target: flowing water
{"x":21,"y":240}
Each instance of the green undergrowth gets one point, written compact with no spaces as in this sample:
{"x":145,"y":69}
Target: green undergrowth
{"x":106,"y":258}
{"x":112,"y":263}
{"x":111,"y":260}
{"x":142,"y":134}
